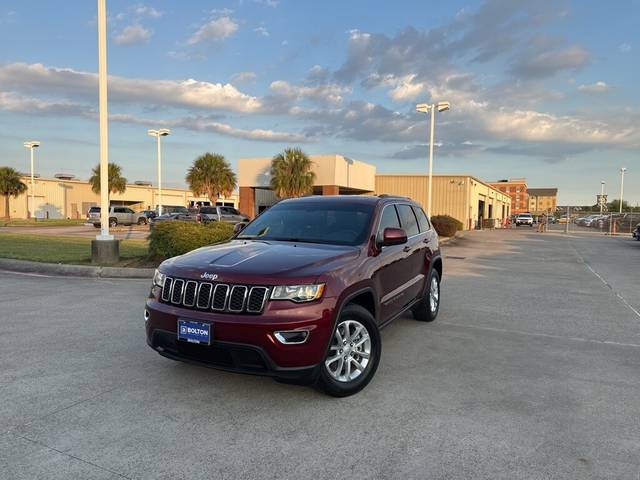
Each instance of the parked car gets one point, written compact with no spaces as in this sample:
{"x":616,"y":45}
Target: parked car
{"x":300,"y":297}
{"x":636,"y":232}
{"x":189,"y":215}
{"x":524,"y":219}
{"x":117,"y":216}
{"x":149,"y":213}
{"x":222,"y":214}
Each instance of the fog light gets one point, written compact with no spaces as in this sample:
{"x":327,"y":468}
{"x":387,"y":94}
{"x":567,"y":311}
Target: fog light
{"x":146,"y":315}
{"x":292,"y":337}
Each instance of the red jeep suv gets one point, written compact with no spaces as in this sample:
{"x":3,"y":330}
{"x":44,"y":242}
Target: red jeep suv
{"x":301,"y":292}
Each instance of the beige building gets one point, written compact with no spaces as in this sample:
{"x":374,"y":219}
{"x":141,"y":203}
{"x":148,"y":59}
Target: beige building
{"x":335,"y":174}
{"x":464,"y":197}
{"x":543,"y":200}
{"x":69,"y":198}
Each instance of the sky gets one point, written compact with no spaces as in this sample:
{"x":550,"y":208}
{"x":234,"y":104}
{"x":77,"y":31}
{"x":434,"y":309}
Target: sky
{"x":547,"y":90}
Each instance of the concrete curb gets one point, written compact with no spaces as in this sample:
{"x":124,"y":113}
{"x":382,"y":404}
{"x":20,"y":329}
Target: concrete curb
{"x":25,"y":266}
{"x":446,"y":240}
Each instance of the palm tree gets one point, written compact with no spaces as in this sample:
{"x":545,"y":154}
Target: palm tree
{"x":211,"y":174}
{"x":117,"y":183}
{"x":10,"y":184}
{"x":291,"y":174}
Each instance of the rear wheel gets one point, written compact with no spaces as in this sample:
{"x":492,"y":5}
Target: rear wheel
{"x":142,"y":221}
{"x":113,"y":222}
{"x":353,"y":355}
{"x":427,"y":309}
{"x":97,"y":225}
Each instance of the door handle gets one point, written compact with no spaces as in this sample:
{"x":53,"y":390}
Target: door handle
{"x":407,"y":248}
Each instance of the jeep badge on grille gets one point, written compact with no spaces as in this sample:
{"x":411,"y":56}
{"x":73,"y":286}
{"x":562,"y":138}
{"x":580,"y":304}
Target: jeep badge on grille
{"x":209,"y":276}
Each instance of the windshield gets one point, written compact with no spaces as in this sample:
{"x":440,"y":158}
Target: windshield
{"x":319,"y":222}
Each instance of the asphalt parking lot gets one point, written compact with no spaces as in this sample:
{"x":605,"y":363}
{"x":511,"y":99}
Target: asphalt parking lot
{"x":532,"y":371}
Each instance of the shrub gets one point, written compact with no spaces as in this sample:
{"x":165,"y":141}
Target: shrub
{"x":445,"y":225}
{"x":171,"y":238}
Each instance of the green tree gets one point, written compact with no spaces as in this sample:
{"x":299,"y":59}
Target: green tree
{"x":10,"y":184}
{"x":291,"y":174}
{"x":614,"y":206}
{"x":117,"y":183}
{"x":211,"y":175}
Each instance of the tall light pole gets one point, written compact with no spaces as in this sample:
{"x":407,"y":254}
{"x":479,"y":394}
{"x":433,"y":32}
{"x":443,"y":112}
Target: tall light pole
{"x":601,"y":196}
{"x":426,"y":108}
{"x":104,"y":249}
{"x":622,"y":170}
{"x":163,"y":132}
{"x":103,"y":122}
{"x":31,"y":145}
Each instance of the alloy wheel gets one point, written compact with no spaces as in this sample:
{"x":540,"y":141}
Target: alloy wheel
{"x":350,"y":351}
{"x":434,"y":295}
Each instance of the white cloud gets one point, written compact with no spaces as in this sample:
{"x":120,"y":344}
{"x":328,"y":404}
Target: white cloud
{"x":135,"y":34}
{"x":241,"y":77}
{"x":268,"y":3}
{"x":190,"y":93}
{"x":598,"y":87}
{"x":325,"y":93}
{"x":217,"y":29}
{"x":262,"y":31}
{"x":145,"y":10}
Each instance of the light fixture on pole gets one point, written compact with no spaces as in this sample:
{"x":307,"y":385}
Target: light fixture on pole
{"x":163,"y":132}
{"x":601,"y":196}
{"x":426,"y":108}
{"x":31,"y":145}
{"x":622,"y":170}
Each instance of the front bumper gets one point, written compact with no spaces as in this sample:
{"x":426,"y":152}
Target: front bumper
{"x":246,"y":343}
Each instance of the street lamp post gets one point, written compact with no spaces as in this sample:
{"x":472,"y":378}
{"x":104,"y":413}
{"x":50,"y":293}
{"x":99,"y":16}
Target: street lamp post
{"x":426,"y":108}
{"x":163,"y":132}
{"x":104,"y":249}
{"x":31,"y":145}
{"x":601,"y":196}
{"x":622,"y":170}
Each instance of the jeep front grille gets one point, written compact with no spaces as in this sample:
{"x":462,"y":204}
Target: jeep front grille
{"x":219,"y":297}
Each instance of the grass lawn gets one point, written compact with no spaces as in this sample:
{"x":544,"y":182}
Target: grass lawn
{"x":64,"y":249}
{"x":54,"y":222}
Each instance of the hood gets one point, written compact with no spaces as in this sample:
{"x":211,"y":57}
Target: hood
{"x":261,"y":262}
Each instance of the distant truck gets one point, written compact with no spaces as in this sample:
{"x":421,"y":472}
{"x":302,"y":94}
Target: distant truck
{"x":117,"y":216}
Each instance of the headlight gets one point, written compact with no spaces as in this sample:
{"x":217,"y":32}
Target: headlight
{"x":297,"y":293}
{"x":158,"y":279}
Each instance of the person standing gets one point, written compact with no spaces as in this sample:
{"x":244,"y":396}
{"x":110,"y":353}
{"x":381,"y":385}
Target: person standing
{"x":542,"y":223}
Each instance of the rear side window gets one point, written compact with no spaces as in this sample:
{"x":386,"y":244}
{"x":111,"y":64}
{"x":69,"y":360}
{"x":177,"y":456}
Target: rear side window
{"x":389,"y":219}
{"x":120,"y":210}
{"x":208,"y":210}
{"x":423,"y":222}
{"x":408,"y":220}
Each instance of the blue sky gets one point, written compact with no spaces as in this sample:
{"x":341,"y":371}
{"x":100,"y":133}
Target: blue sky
{"x":546,"y":90}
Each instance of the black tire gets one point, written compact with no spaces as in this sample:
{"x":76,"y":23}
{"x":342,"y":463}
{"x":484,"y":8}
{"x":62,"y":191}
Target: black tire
{"x":142,"y":221}
{"x":326,"y":382}
{"x":422,"y":311}
{"x":97,"y":225}
{"x":113,"y":222}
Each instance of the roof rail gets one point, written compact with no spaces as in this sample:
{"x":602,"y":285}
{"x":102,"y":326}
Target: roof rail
{"x":387,"y":195}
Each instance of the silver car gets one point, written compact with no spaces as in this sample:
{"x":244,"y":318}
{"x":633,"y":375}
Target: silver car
{"x":222,"y":214}
{"x":117,"y":216}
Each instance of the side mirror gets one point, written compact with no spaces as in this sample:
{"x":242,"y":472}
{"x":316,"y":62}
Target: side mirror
{"x":238,"y":227}
{"x":393,"y":236}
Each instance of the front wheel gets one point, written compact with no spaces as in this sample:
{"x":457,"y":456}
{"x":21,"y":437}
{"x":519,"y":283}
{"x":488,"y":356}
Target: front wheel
{"x":353,"y":355}
{"x":113,"y":223}
{"x":426,"y":310}
{"x":142,"y":221}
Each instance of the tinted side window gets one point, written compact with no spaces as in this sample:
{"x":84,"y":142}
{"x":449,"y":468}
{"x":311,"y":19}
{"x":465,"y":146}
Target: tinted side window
{"x":128,"y":210}
{"x":423,"y":222}
{"x":389,"y":219}
{"x":408,"y":220}
{"x":208,"y":210}
{"x":119,"y":210}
